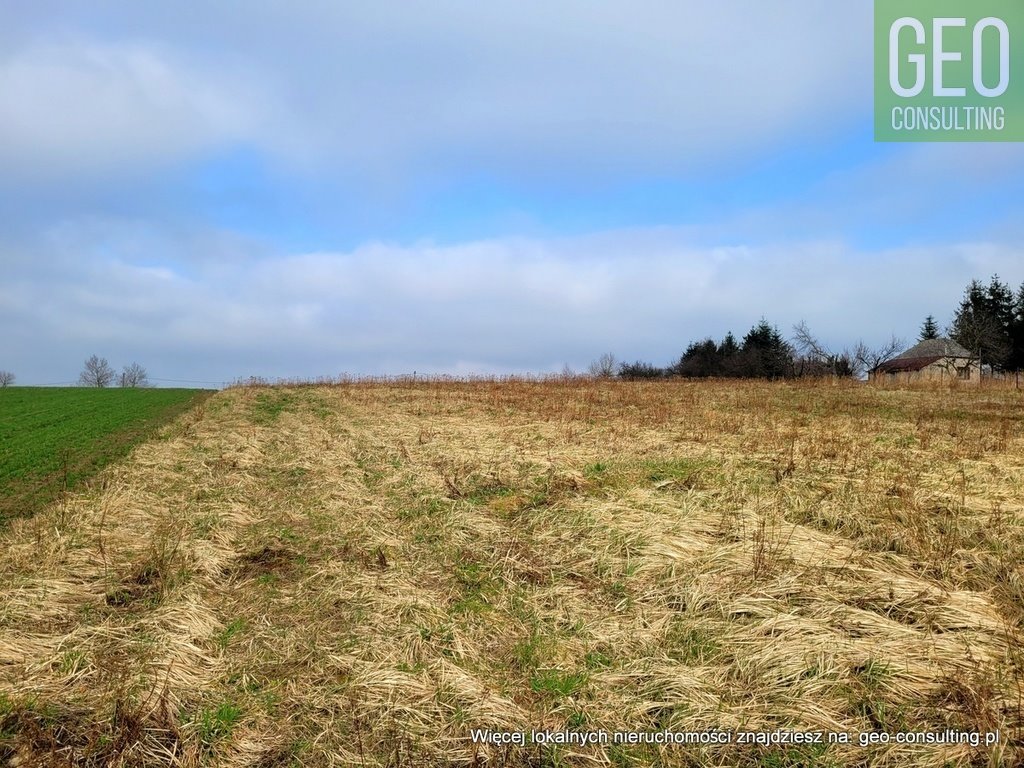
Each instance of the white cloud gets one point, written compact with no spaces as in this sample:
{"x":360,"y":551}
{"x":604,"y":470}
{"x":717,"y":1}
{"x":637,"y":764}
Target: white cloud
{"x":499,"y":305}
{"x":381,"y":92}
{"x":595,"y":88}
{"x":79,"y":107}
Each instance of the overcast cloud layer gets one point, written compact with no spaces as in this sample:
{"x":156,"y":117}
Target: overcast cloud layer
{"x":316,"y":188}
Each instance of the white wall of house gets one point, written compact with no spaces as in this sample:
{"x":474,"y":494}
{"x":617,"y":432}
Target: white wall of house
{"x":950,"y":369}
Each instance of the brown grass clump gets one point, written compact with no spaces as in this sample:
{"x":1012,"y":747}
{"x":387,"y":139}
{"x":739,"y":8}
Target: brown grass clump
{"x":364,"y":574}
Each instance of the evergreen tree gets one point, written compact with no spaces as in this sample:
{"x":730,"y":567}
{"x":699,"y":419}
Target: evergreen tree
{"x":1016,"y":361}
{"x":728,"y":355}
{"x":765,"y":354}
{"x":929,"y":329}
{"x":729,"y":346}
{"x":700,"y":360}
{"x":984,"y":320}
{"x":1001,"y":305}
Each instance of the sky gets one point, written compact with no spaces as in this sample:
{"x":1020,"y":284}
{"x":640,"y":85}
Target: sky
{"x":308,"y":189}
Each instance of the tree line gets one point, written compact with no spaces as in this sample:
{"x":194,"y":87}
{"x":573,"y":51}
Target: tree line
{"x":762,"y":353}
{"x":97,"y":372}
{"x":989,"y":322}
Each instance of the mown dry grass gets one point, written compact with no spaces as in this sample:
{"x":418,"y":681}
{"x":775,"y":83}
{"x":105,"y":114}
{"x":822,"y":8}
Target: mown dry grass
{"x":361,"y":574}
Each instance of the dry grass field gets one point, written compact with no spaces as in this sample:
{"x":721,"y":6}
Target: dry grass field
{"x":362,"y":574}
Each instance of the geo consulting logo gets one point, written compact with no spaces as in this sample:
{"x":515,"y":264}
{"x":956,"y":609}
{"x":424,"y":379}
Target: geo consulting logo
{"x":949,"y":70}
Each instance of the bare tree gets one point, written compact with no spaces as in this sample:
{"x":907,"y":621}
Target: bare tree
{"x":816,"y":359}
{"x":866,"y":359}
{"x":6,"y":378}
{"x":133,"y":375}
{"x":806,"y":344}
{"x":604,"y":367}
{"x":97,"y":373}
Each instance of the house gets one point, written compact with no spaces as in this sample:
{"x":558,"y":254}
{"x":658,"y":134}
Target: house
{"x":931,"y":360}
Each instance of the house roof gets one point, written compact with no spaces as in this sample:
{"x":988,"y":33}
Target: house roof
{"x":899,"y":364}
{"x":935,"y":348}
{"x":924,"y":354}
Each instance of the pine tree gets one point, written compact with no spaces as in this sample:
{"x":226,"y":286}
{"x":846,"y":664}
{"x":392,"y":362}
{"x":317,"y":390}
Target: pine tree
{"x":1000,"y":301}
{"x":765,"y":354}
{"x":929,"y":329}
{"x":729,"y":356}
{"x":700,"y":360}
{"x":1016,"y":361}
{"x":983,"y":322}
{"x":730,"y":347}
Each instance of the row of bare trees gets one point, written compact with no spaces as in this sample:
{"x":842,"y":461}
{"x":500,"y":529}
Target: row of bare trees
{"x":98,"y":373}
{"x":856,"y":362}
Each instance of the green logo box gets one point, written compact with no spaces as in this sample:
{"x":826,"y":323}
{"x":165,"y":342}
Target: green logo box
{"x":949,"y":70}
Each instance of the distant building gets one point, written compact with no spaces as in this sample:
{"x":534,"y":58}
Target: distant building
{"x":931,"y":360}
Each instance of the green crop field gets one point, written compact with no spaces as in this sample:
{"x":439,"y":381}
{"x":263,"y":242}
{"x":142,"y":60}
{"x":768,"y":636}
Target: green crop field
{"x":53,"y":438}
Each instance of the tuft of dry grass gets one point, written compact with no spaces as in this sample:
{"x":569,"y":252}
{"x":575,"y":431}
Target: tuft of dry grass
{"x":364,"y":573}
